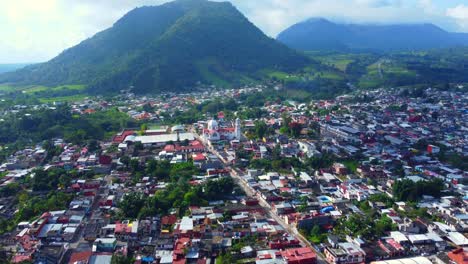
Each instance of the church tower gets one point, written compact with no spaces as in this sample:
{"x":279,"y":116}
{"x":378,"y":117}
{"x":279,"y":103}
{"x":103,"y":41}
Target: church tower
{"x":238,"y":132}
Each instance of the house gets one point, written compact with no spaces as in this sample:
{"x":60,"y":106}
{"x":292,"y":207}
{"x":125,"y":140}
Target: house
{"x":100,"y":259}
{"x":345,"y":253}
{"x":283,"y":208}
{"x":126,"y":230}
{"x":303,"y":255}
{"x":339,"y":169}
{"x":419,"y":260}
{"x":458,"y":239}
{"x":80,"y":257}
{"x":104,"y":245}
{"x":458,"y":256}
{"x":50,"y":254}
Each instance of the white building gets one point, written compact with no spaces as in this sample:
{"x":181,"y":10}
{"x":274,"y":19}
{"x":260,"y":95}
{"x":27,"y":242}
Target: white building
{"x":214,"y":132}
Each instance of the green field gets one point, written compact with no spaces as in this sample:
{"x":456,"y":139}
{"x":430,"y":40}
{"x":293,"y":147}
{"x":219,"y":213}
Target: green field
{"x":384,"y":71}
{"x":70,"y":98}
{"x":283,"y":76}
{"x":338,"y":61}
{"x":39,"y":88}
{"x":62,"y":93}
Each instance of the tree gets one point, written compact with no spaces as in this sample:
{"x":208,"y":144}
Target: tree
{"x":134,"y":165}
{"x":321,"y":162}
{"x":217,"y":189}
{"x":10,"y":190}
{"x":148,"y":108}
{"x":284,"y":130}
{"x":131,"y":204}
{"x":260,"y":129}
{"x":384,"y":225}
{"x":119,"y":259}
{"x":225,"y":258}
{"x":93,"y":145}
{"x":125,"y":160}
{"x":295,"y":129}
{"x":407,"y":190}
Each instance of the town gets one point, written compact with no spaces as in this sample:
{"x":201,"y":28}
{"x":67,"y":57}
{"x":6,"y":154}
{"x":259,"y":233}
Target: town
{"x":238,"y":176}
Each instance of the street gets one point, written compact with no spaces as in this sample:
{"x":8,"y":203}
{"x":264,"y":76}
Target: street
{"x":250,"y":192}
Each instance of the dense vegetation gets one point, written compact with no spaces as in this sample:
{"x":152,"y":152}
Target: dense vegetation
{"x":179,"y":194}
{"x":321,"y":34}
{"x":61,"y":123}
{"x":442,"y":69}
{"x":10,"y":67}
{"x":27,"y":126}
{"x":48,"y":193}
{"x":407,"y":190}
{"x":167,"y":48}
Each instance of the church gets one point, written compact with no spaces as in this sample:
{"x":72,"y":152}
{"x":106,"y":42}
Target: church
{"x":216,"y":132}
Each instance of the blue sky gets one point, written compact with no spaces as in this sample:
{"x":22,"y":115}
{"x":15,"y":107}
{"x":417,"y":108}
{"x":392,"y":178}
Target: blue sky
{"x":34,"y":31}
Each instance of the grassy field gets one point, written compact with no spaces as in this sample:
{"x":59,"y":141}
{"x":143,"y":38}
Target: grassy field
{"x":62,"y":93}
{"x":39,"y":88}
{"x":329,"y":75}
{"x":73,"y":87}
{"x":70,"y":98}
{"x":283,"y":76}
{"x":338,"y":61}
{"x":310,"y":74}
{"x":8,"y":88}
{"x":383,"y":71}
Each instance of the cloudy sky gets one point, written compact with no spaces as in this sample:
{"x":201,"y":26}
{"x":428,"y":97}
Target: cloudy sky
{"x":37,"y":30}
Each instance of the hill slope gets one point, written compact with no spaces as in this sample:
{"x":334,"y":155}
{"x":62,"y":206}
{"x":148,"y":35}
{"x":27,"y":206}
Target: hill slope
{"x":321,"y":34}
{"x":11,"y":67}
{"x":166,"y":48}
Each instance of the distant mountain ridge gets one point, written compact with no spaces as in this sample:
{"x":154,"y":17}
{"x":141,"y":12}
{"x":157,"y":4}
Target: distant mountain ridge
{"x":12,"y":66}
{"x":166,"y":48}
{"x":320,"y":34}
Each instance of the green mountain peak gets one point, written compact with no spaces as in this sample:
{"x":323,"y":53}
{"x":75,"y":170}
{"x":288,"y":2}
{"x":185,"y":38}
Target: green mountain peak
{"x":170,"y":47}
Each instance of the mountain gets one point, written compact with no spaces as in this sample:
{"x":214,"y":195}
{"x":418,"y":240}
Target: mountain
{"x":166,"y":48}
{"x":321,"y":34}
{"x":11,"y":67}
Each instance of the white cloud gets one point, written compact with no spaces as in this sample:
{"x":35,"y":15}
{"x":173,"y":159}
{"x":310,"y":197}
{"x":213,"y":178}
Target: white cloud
{"x":460,"y":14}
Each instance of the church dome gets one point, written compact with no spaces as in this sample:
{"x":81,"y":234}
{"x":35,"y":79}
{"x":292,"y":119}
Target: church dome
{"x":212,"y":125}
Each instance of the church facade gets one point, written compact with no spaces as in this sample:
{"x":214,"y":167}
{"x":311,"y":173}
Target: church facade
{"x":214,"y":132}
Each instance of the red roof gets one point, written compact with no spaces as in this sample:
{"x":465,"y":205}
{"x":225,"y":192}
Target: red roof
{"x":395,"y":244}
{"x":169,"y":220}
{"x":201,"y":261}
{"x":122,"y":228}
{"x":303,"y":255}
{"x":227,"y":129}
{"x":169,"y":148}
{"x":198,"y":157}
{"x":459,"y":256}
{"x":21,"y":258}
{"x":78,"y":257}
{"x":196,"y":143}
{"x":121,"y":137}
{"x":181,"y":243}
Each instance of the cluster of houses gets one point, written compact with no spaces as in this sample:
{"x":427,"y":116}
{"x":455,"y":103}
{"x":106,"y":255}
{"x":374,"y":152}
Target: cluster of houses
{"x":375,"y":138}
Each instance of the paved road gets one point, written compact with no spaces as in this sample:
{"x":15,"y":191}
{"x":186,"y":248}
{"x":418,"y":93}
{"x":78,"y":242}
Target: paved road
{"x":267,"y":207}
{"x":79,"y":238}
